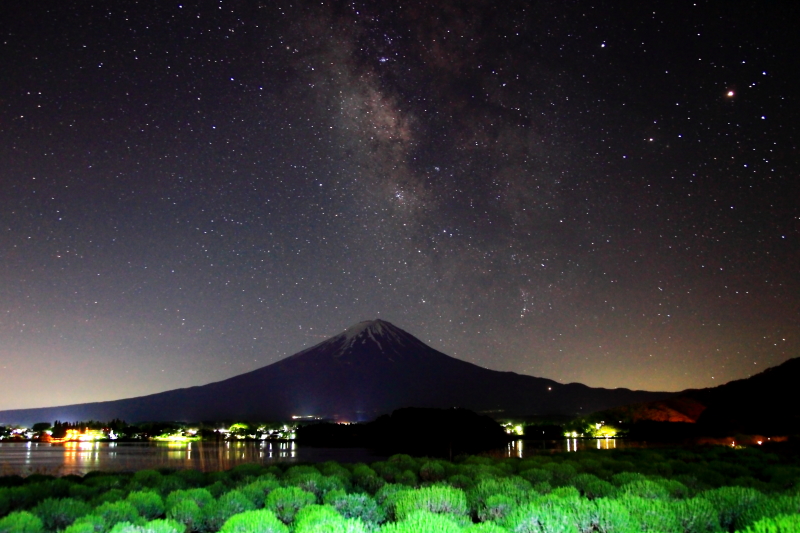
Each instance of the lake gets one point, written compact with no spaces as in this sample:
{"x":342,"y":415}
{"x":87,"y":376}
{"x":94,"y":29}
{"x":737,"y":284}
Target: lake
{"x":82,"y":457}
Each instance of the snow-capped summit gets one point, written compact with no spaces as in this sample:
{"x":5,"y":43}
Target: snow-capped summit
{"x":369,"y":369}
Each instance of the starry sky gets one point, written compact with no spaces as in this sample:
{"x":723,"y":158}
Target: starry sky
{"x":601,"y":192}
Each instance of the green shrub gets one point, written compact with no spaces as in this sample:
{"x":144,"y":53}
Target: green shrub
{"x":108,"y":496}
{"x":318,"y":484}
{"x":199,"y":496}
{"x":460,"y":481}
{"x":58,"y":514}
{"x":696,"y":515}
{"x":496,"y":507}
{"x":404,"y":462}
{"x":777,"y":524}
{"x":246,"y":472}
{"x":407,"y":477}
{"x":171,"y":483}
{"x":149,"y":504}
{"x":769,"y":506}
{"x":732,"y":503}
{"x":432,"y":471}
{"x":515,"y":488}
{"x":535,"y":518}
{"x":257,"y":490}
{"x":423,"y":522}
{"x":537,"y":475}
{"x":645,"y":488}
{"x":90,"y":523}
{"x":21,"y":522}
{"x":366,"y":479}
{"x":325,"y":519}
{"x":151,"y":479}
{"x":435,"y":499}
{"x":154,"y":526}
{"x":286,"y":501}
{"x":652,"y":515}
{"x":192,"y":478}
{"x":257,"y":521}
{"x":229,"y":504}
{"x":562,"y":473}
{"x":593,"y":487}
{"x":484,"y":527}
{"x":623,"y":478}
{"x":188,"y":513}
{"x":358,"y":505}
{"x":113,"y":513}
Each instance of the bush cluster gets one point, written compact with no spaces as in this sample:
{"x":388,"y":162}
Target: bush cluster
{"x":711,"y":490}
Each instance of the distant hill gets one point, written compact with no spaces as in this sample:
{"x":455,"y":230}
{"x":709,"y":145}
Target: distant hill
{"x":371,"y":368}
{"x":761,"y":404}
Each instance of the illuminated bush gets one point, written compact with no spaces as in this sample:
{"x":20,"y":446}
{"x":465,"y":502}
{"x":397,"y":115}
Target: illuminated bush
{"x":188,"y":513}
{"x":192,"y":478}
{"x":496,"y":507}
{"x":732,"y":503}
{"x":257,"y":521}
{"x":246,"y":472}
{"x":484,"y":527}
{"x":325,"y":519}
{"x":435,"y":499}
{"x":357,"y":505}
{"x":536,"y":475}
{"x":109,"y":496}
{"x":14,"y":499}
{"x":286,"y":501}
{"x":299,"y":470}
{"x":675,"y":488}
{"x":568,"y":492}
{"x":789,"y":523}
{"x":21,"y":522}
{"x":534,"y":518}
{"x":645,"y":488}
{"x":317,"y":484}
{"x":113,"y":513}
{"x":147,"y":478}
{"x":593,"y":487}
{"x":404,"y":462}
{"x":201,"y":497}
{"x":768,"y":507}
{"x":516,"y":488}
{"x":623,"y":478}
{"x":332,"y":468}
{"x":229,"y":504}
{"x":154,"y":526}
{"x":562,"y":473}
{"x":58,"y":514}
{"x":423,"y":522}
{"x":171,"y":483}
{"x":149,"y":504}
{"x":432,"y":471}
{"x":257,"y":490}
{"x":611,"y":516}
{"x":696,"y":515}
{"x":367,"y":479}
{"x":408,"y":478}
{"x":652,"y":515}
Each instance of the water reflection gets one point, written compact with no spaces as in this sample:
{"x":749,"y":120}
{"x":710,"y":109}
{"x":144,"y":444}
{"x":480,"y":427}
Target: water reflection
{"x":527,"y":448}
{"x":82,"y":457}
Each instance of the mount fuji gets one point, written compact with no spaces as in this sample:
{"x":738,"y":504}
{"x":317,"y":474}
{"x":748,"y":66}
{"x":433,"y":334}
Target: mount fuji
{"x":369,"y":369}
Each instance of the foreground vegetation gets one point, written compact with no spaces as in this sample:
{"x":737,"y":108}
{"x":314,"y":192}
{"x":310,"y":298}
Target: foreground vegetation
{"x":673,"y":490}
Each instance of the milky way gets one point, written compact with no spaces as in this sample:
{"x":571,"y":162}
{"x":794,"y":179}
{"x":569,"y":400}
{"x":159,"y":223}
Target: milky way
{"x":592,"y":192}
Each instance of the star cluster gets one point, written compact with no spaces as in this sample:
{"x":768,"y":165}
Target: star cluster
{"x":599,"y":192}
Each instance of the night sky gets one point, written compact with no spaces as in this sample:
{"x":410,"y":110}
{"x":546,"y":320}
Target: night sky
{"x":596,"y":192}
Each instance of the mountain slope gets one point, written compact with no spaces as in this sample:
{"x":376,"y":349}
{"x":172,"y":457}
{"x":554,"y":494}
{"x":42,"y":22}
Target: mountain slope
{"x":369,"y":369}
